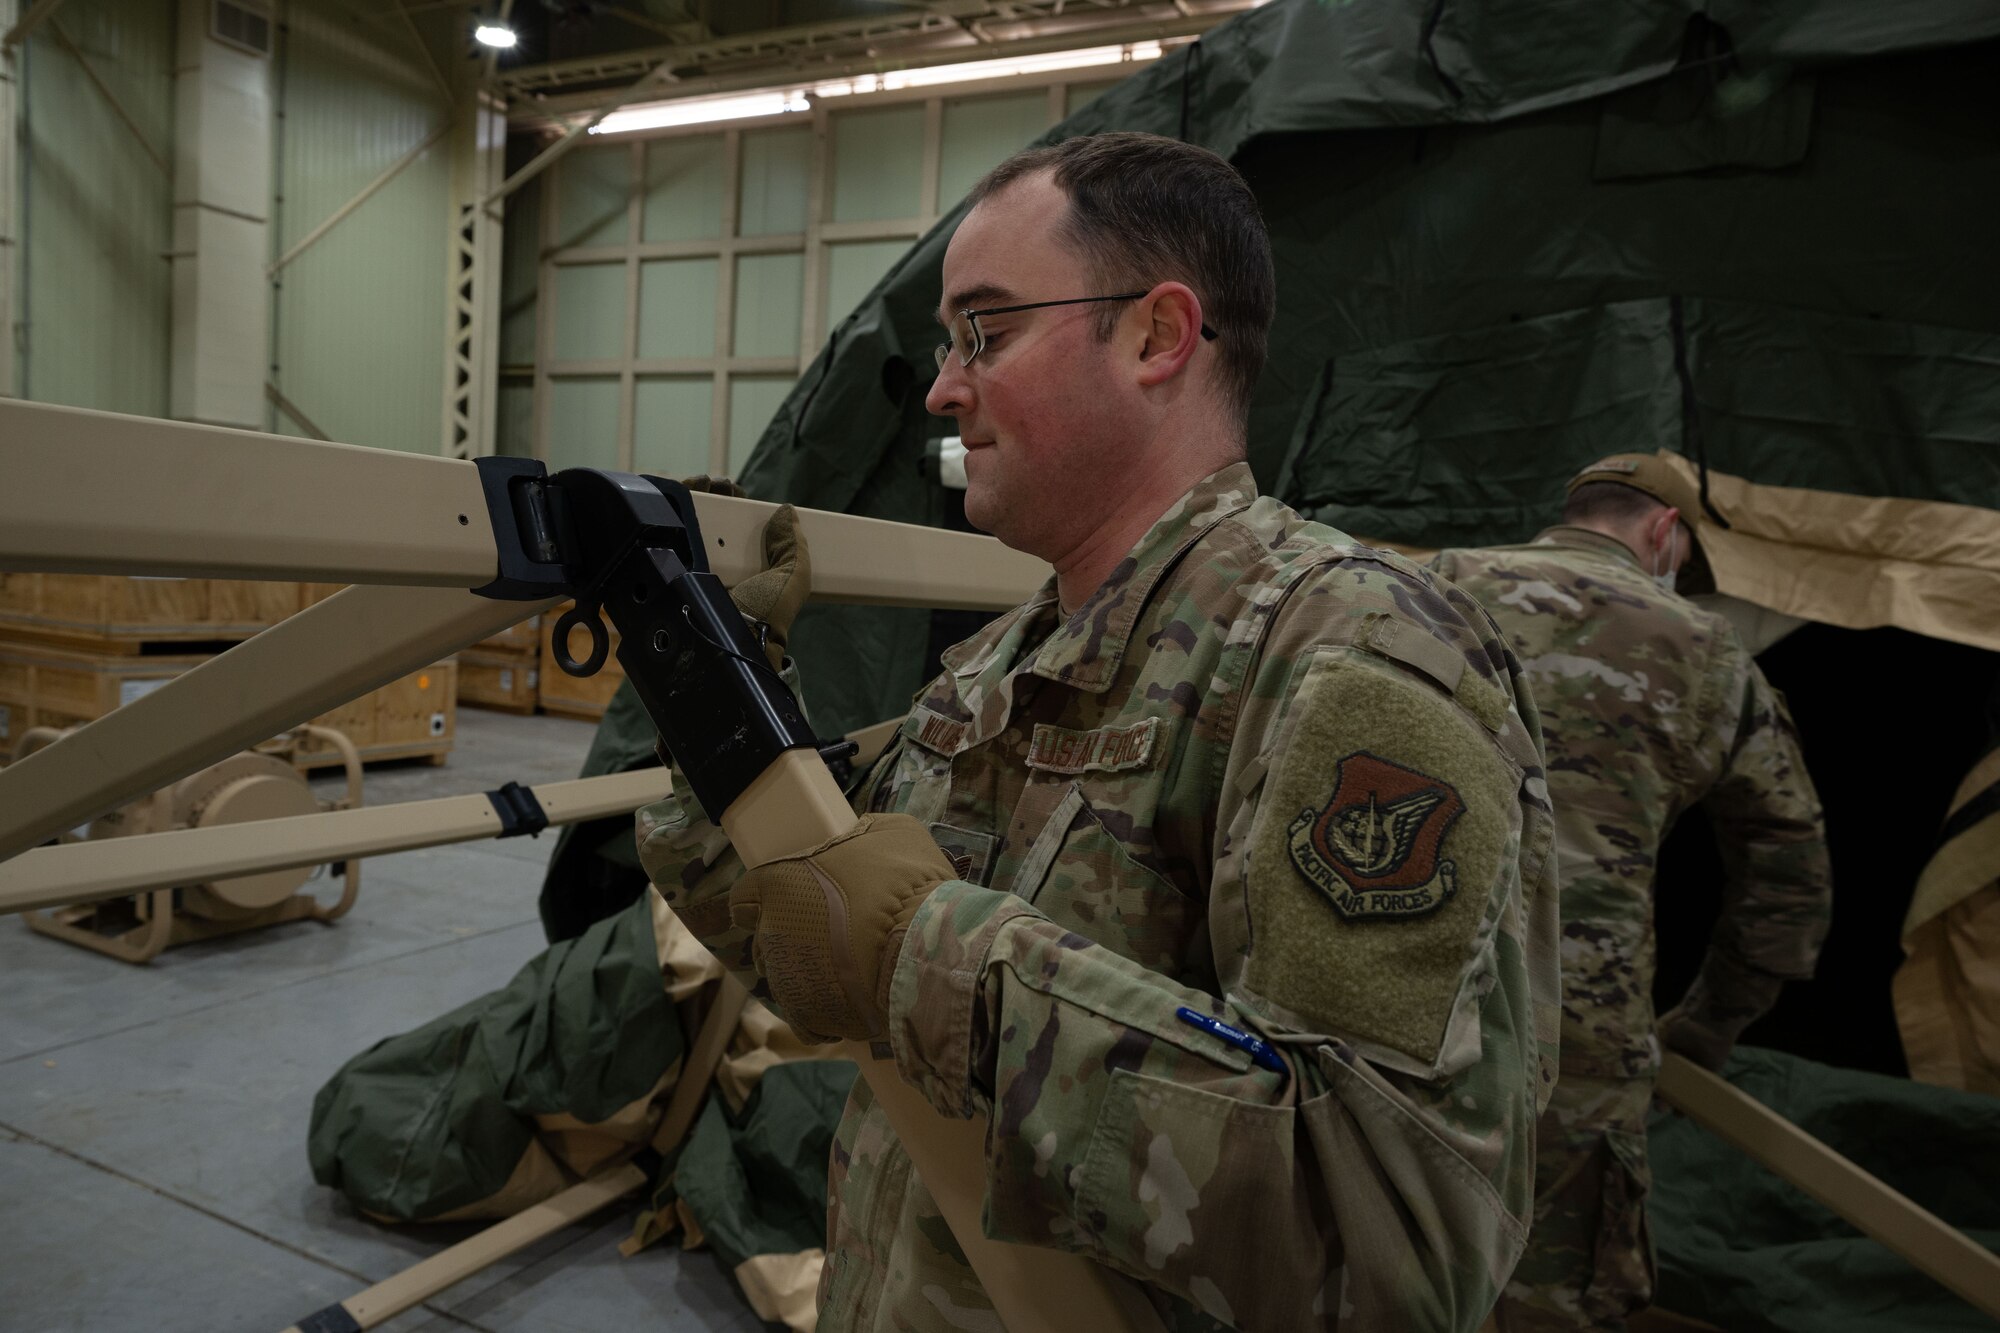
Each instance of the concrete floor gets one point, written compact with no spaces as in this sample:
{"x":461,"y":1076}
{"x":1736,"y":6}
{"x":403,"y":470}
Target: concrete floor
{"x":153,"y":1119}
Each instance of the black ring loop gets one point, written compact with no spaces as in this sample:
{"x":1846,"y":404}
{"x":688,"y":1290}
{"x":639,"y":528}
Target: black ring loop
{"x":600,"y":641}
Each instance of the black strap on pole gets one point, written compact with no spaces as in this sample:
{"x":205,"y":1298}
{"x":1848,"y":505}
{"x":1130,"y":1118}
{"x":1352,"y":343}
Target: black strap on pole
{"x":520,"y":813}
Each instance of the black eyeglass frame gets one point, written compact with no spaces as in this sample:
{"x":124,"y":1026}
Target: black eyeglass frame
{"x":971,"y":317}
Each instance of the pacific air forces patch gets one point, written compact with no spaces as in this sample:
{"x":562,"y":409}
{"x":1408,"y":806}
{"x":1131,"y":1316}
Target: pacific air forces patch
{"x":1374,"y":848}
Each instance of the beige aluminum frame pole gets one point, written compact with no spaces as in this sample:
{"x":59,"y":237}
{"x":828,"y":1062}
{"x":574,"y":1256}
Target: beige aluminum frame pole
{"x":1932,"y":1245}
{"x":100,"y":868}
{"x":172,"y":497}
{"x":341,"y":648}
{"x":93,"y":870}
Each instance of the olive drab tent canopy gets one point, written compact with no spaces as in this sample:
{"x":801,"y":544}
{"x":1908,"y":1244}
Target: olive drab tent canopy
{"x":1512,"y":236}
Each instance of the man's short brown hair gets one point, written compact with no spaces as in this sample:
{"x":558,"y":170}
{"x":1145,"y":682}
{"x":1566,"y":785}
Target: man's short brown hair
{"x":1145,"y":210}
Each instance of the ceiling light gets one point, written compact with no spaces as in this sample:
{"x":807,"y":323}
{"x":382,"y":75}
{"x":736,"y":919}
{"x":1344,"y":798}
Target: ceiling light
{"x":779,"y":101}
{"x":495,"y":35}
{"x":700,"y":110}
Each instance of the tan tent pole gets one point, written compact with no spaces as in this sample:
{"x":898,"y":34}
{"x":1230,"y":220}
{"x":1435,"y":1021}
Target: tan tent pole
{"x":418,"y":1283}
{"x":176,"y":498}
{"x":1884,"y":1214}
{"x":446,"y":1268}
{"x":794,"y":805}
{"x":724,"y":1013}
{"x":334,"y":651}
{"x":103,"y":493}
{"x":93,"y":870}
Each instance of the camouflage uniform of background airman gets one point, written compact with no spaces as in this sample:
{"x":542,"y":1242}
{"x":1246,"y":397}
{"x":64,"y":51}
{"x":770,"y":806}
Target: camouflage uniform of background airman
{"x":1649,"y":705}
{"x":1262,"y":763}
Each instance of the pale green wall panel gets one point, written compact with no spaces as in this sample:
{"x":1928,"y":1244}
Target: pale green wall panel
{"x":359,"y":318}
{"x":753,"y":401}
{"x":514,"y":426}
{"x":769,"y":292}
{"x":878,"y":163}
{"x":593,"y":186}
{"x":852,"y":268}
{"x":670,"y":421}
{"x":520,"y":273}
{"x":683,"y":190}
{"x":1082,"y":95}
{"x":97,"y":212}
{"x":777,"y":169}
{"x":583,"y":422}
{"x":979,"y":133}
{"x":677,"y":307}
{"x":590,"y":312}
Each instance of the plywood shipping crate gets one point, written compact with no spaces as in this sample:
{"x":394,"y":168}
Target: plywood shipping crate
{"x":504,"y":670}
{"x":569,"y":696}
{"x":47,"y":685}
{"x":510,"y":681}
{"x":115,"y":613}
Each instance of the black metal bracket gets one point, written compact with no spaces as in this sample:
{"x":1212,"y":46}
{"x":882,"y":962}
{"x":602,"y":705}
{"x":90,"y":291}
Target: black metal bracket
{"x":520,"y":813}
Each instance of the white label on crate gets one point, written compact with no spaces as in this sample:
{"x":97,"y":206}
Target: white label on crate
{"x":507,"y":680}
{"x":6,"y":722}
{"x":534,"y":677}
{"x":128,"y":690}
{"x":437,"y":724}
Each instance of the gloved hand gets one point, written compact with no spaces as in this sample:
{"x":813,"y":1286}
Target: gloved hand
{"x":774,"y":595}
{"x":828,"y":924}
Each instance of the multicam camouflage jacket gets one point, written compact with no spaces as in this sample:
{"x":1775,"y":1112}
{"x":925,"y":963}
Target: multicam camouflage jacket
{"x":1265,"y":776}
{"x":1650,"y":705}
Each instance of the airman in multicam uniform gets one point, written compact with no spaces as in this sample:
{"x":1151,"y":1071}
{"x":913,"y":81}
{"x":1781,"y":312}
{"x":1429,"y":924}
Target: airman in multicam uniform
{"x":1649,"y":705}
{"x":1218,"y":874}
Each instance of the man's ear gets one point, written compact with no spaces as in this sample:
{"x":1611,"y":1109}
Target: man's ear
{"x":1171,"y":323}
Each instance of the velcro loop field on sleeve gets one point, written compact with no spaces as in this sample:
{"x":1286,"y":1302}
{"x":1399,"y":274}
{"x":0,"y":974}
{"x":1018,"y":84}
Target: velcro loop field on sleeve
{"x":1387,"y":821}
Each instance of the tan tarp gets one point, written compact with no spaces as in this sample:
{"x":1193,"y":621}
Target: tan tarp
{"x":1947,"y":992}
{"x":1856,"y":561}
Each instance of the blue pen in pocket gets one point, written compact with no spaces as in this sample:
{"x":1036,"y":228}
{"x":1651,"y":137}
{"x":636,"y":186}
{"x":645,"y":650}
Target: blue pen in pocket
{"x":1256,"y":1048}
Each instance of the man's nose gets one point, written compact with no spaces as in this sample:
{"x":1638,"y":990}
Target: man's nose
{"x":951,"y":391}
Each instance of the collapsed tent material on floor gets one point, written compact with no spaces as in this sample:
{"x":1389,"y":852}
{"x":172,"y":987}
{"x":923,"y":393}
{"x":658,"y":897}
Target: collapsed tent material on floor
{"x":517,"y":1095}
{"x":1745,"y":1251}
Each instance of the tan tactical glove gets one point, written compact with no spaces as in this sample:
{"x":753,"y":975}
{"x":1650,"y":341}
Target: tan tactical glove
{"x":774,"y":595}
{"x":829,"y":923}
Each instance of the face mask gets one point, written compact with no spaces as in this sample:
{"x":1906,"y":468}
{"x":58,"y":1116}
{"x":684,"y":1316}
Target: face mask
{"x":1663,"y":573}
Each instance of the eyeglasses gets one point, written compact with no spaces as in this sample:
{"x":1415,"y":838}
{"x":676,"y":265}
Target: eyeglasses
{"x":969,"y":340}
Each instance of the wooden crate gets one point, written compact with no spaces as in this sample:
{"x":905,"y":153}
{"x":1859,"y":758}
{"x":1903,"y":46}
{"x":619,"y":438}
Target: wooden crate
{"x":566,"y":695}
{"x":507,"y":680}
{"x":43,"y":685}
{"x":412,"y":718}
{"x":105,"y":613}
{"x":524,"y":637}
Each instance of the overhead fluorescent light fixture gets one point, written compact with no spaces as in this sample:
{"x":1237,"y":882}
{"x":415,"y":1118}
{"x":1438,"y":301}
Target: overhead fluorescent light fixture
{"x":701,"y":110}
{"x":495,"y":35}
{"x":777,"y":102}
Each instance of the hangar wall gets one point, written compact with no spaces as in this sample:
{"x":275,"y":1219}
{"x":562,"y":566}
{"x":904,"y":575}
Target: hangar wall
{"x":93,"y":307}
{"x":665,"y":289}
{"x":358,"y":319}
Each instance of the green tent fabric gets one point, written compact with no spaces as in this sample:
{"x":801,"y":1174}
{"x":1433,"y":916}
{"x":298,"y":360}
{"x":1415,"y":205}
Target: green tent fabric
{"x":434,"y":1120}
{"x":1511,"y":236}
{"x":756,"y":1182}
{"x":1741,"y":1249}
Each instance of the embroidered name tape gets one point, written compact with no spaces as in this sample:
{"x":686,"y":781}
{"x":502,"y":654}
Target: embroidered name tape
{"x":1058,"y":750}
{"x":934,"y":731}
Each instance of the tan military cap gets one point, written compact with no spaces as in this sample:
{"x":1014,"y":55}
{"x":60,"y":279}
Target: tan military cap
{"x":1648,"y":473}
{"x":1654,"y":476}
